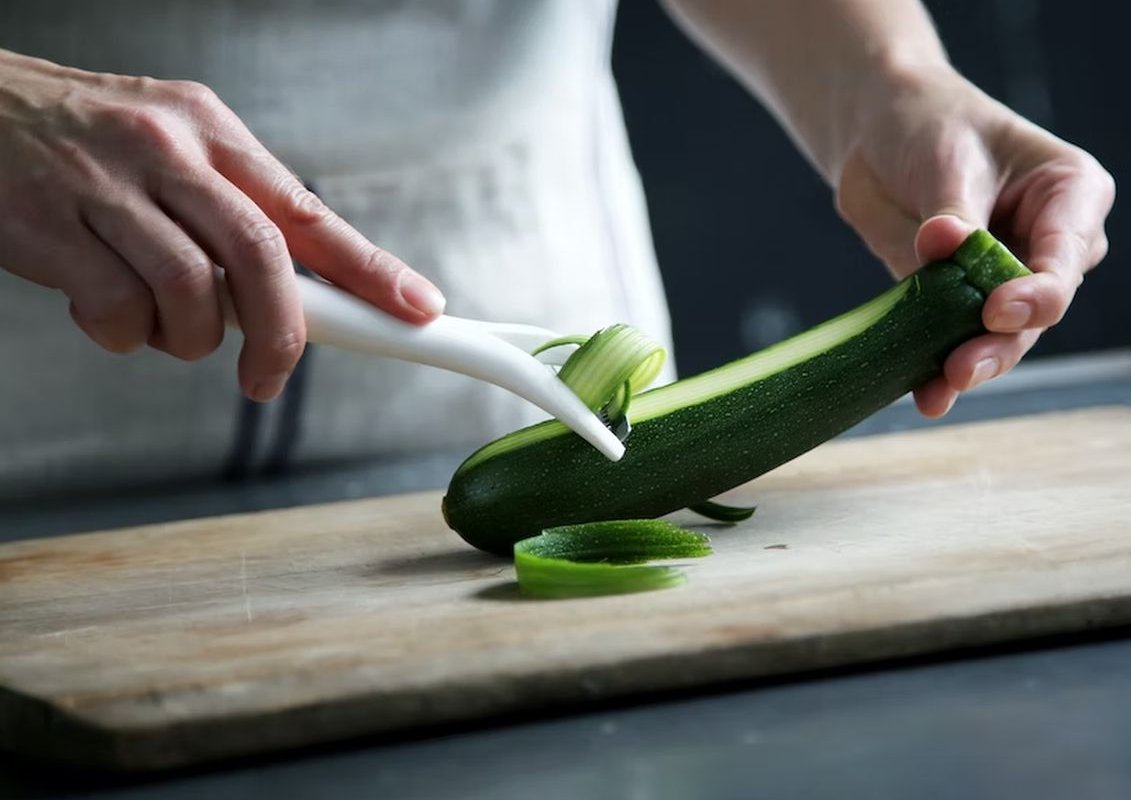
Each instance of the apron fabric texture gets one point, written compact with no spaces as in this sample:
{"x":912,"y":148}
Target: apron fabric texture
{"x":480,"y":141}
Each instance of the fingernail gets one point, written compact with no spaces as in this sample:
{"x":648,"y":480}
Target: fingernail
{"x":983,"y":371}
{"x":269,"y":388}
{"x":1012,"y":317}
{"x":419,"y":293}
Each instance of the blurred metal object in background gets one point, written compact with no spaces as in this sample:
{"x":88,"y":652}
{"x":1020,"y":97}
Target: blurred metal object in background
{"x":766,"y":320}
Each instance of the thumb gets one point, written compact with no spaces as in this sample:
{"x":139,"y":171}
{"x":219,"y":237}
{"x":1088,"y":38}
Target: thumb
{"x":956,"y":202}
{"x":940,"y":235}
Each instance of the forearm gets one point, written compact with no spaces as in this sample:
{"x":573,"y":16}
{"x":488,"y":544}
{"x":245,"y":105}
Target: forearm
{"x":816,"y":64}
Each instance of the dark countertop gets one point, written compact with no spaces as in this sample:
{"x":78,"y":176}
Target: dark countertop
{"x":1044,"y":720}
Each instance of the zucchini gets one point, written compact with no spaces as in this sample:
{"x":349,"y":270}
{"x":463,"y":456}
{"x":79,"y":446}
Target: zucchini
{"x":701,"y":436}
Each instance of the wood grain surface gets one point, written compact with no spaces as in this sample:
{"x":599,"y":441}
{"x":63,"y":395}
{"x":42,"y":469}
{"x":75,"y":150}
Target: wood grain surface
{"x":169,"y":644}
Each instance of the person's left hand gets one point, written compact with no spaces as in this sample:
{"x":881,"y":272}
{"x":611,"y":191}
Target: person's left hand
{"x":936,"y":158}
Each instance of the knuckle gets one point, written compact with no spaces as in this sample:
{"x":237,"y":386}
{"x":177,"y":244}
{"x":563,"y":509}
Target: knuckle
{"x":186,"y":271}
{"x":1107,"y":184}
{"x":1100,"y":249}
{"x":299,"y":204}
{"x":144,"y":84}
{"x":259,"y":241}
{"x":287,"y":346}
{"x":1079,"y":160}
{"x":1087,"y":165}
{"x":148,"y":126}
{"x":383,"y":266}
{"x":194,"y":95}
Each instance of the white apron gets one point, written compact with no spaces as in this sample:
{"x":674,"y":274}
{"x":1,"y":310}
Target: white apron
{"x":479,"y":140}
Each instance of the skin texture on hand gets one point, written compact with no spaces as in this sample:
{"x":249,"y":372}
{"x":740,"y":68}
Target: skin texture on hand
{"x":123,"y":193}
{"x":919,"y":156}
{"x":937,"y":158}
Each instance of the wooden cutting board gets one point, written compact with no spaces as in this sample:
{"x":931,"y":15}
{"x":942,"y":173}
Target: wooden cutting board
{"x":168,"y":644}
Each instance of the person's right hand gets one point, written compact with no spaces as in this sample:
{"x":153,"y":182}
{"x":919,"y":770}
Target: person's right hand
{"x":123,"y":192}
{"x":934,"y":157}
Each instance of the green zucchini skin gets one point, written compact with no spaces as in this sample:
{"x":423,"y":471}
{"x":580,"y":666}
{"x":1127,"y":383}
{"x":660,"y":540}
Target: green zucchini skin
{"x":694,"y":452}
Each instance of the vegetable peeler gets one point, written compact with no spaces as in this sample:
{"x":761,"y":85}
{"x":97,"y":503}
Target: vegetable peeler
{"x":497,"y":353}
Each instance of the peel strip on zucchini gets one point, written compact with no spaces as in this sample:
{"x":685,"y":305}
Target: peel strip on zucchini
{"x":607,"y":366}
{"x":601,"y":558}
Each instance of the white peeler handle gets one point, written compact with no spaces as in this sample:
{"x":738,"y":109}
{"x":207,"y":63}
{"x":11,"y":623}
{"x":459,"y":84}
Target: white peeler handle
{"x":338,"y":319}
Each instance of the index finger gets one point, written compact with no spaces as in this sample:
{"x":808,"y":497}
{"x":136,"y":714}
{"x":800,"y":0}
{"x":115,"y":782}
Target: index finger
{"x":323,"y":241}
{"x":1066,"y":234}
{"x":241,"y":239}
{"x":1060,"y":221}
